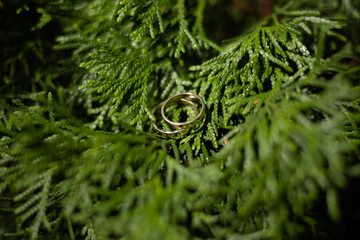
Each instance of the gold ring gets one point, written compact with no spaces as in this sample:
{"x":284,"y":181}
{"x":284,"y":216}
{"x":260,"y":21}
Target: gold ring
{"x":183,"y":97}
{"x":179,"y":131}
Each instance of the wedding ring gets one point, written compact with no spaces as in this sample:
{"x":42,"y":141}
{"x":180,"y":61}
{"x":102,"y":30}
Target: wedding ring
{"x":183,"y":97}
{"x":179,"y":131}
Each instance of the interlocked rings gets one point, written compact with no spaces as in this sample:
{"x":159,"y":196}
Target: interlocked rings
{"x":181,"y":128}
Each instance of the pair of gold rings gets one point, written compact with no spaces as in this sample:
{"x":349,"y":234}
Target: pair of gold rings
{"x":180,"y":128}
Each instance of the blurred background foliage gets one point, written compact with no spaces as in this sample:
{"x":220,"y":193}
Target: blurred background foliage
{"x":277,"y":156}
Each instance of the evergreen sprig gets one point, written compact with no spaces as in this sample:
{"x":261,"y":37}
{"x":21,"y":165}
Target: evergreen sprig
{"x":268,"y":58}
{"x":159,"y":16}
{"x":63,"y":170}
{"x":112,"y":55}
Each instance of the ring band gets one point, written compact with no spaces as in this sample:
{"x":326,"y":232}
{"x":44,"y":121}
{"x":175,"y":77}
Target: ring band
{"x":183,"y":97}
{"x":179,"y":129}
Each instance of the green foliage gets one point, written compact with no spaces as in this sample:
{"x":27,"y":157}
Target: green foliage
{"x":278,"y":147}
{"x":268,"y":58}
{"x":112,"y":55}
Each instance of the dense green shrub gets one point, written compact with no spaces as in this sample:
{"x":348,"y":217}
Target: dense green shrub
{"x":277,"y":156}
